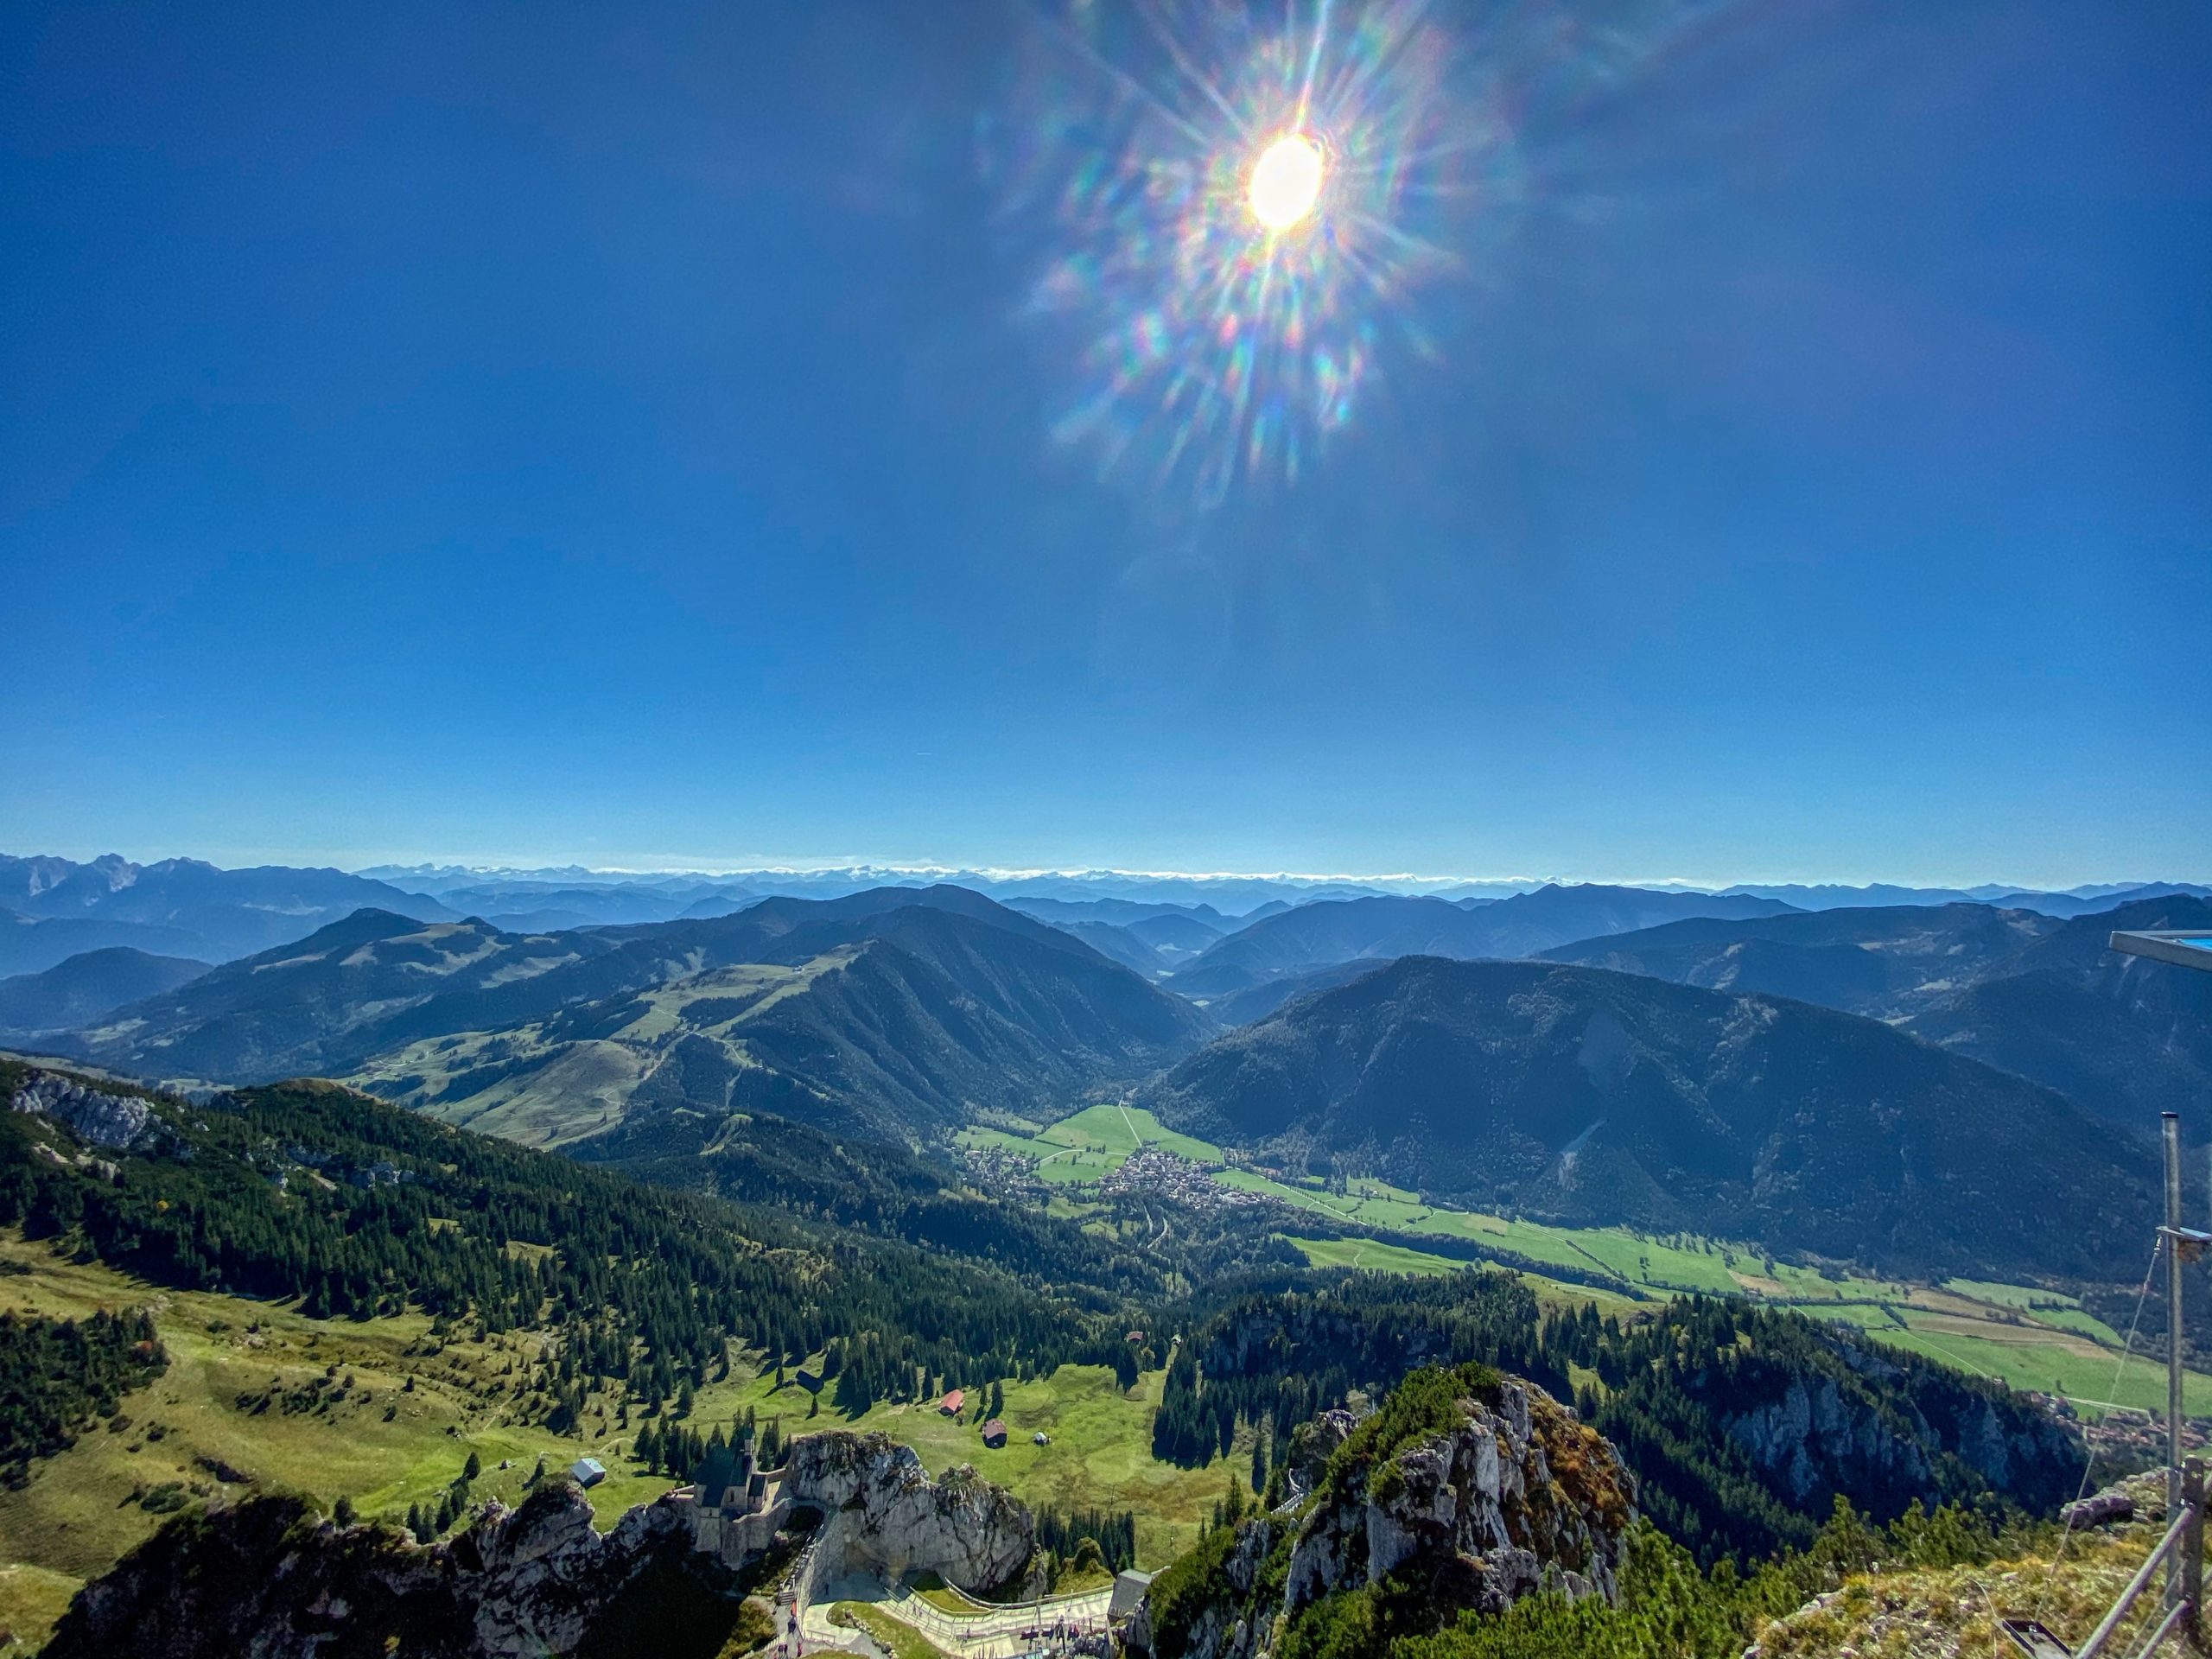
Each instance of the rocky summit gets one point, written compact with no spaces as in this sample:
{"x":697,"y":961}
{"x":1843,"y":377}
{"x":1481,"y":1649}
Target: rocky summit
{"x":1467,"y":1491}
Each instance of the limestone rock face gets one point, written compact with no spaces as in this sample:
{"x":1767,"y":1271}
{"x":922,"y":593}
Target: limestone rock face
{"x":266,"y":1581}
{"x":1480,"y":1508}
{"x":101,"y":1119}
{"x":889,"y":1515}
{"x":539,"y":1575}
{"x":1515,"y":1496}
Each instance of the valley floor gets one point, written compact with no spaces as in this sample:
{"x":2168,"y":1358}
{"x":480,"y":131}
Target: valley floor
{"x":2025,"y":1336}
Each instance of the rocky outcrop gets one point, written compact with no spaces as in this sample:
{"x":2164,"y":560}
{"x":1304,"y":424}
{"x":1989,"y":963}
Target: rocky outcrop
{"x":888,"y":1517}
{"x":1848,"y":1416}
{"x":2110,"y":1507}
{"x":96,"y":1117}
{"x":1466,"y":1491}
{"x":269,"y":1580}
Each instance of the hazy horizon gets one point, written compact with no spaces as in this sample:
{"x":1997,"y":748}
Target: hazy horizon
{"x":711,"y":867}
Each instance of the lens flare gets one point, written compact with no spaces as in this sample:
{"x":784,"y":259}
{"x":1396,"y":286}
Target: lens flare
{"x":1286,"y":182}
{"x":1236,"y":205}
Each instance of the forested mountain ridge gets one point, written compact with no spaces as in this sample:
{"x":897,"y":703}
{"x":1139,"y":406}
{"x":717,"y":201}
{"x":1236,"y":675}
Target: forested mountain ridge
{"x":2123,"y":1037}
{"x":2049,"y":999}
{"x":1741,"y":1425}
{"x":906,"y":1010}
{"x":1582,"y":1095}
{"x":314,"y":1192}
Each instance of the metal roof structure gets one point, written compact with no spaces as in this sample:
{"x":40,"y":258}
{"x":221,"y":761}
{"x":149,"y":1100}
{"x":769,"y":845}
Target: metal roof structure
{"x":2183,"y":947}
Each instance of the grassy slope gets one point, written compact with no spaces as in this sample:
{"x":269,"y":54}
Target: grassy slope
{"x":1951,"y":1613}
{"x":77,"y":1514}
{"x":900,"y":1641}
{"x":576,"y":1088}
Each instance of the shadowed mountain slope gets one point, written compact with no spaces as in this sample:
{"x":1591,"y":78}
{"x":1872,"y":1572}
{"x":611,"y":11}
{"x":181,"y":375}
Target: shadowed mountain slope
{"x":2125,"y":1038}
{"x":30,"y":945}
{"x":1600,"y":1096}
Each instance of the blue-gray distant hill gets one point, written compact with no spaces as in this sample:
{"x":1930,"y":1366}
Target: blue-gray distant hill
{"x":1149,"y":938}
{"x":2123,"y":1038}
{"x":178,"y":907}
{"x":85,"y":987}
{"x":900,"y":1010}
{"x":1887,"y":963}
{"x":1587,"y":1096}
{"x":1316,"y":935}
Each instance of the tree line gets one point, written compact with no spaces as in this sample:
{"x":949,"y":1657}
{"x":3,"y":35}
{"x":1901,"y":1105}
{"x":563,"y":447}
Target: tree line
{"x":359,"y":1209}
{"x":57,"y":1376}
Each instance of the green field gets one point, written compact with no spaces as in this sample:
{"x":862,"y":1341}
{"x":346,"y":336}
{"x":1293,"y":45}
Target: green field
{"x":1376,"y":1257}
{"x":1093,"y":1143}
{"x":2027,"y":1337}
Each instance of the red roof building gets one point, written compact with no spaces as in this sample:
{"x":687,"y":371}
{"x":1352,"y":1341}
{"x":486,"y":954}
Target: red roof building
{"x":951,"y":1403}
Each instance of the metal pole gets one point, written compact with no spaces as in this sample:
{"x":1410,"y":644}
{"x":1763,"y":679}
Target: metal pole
{"x":2170,"y":1125}
{"x":2165,"y":1628}
{"x":2136,"y":1585}
{"x":2190,"y":1552}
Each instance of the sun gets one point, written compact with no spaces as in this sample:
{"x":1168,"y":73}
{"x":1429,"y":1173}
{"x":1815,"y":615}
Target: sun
{"x":1286,"y":182}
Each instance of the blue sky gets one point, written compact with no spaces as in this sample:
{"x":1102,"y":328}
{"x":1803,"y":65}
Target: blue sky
{"x":627,"y":434}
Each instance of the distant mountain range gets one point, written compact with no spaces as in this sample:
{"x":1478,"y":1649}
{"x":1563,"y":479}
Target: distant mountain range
{"x":1887,"y":962}
{"x":55,"y":908}
{"x":1586,"y":1095}
{"x":2074,"y":901}
{"x":897,"y":1009}
{"x":52,"y":909}
{"x":1314,"y":936}
{"x":1230,"y":897}
{"x":1718,"y":1060}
